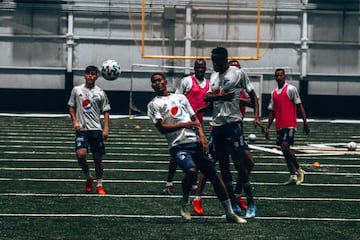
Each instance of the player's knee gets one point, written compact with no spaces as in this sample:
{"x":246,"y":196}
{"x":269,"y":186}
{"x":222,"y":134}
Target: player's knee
{"x":191,"y":173}
{"x":285,"y":150}
{"x":81,"y":155}
{"x":193,"y":170}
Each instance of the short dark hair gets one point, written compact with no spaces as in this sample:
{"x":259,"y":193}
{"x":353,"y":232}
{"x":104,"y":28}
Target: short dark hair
{"x":236,"y":62}
{"x":91,"y":68}
{"x":231,"y":61}
{"x":199,"y":60}
{"x":280,"y":69}
{"x":220,"y":51}
{"x":158,"y":73}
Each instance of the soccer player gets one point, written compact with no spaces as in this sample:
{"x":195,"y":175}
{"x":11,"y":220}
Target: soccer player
{"x":245,"y":101}
{"x":174,"y":117}
{"x":194,"y":87}
{"x":284,"y":104}
{"x":86,"y":103}
{"x":226,"y":84}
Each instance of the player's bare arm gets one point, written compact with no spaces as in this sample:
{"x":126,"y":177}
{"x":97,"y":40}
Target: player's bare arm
{"x":255,"y":103}
{"x":105,"y":132}
{"x":301,"y":110}
{"x":206,"y":108}
{"x":167,"y":128}
{"x":74,"y":120}
{"x":220,"y":95}
{"x":202,"y":137}
{"x":270,"y":121}
{"x":246,"y":102}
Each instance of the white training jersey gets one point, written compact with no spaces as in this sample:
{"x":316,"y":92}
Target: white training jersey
{"x":89,"y":104}
{"x":186,"y":84}
{"x":233,"y":80}
{"x":292,"y":93}
{"x":172,"y":109}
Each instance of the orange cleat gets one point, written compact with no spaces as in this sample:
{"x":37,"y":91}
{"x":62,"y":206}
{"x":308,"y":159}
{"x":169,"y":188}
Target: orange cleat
{"x":100,"y":190}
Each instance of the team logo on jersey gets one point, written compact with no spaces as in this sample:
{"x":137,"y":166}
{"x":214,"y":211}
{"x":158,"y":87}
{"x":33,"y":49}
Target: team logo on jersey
{"x":176,"y":112}
{"x":95,"y":97}
{"x":86,"y":104}
{"x":226,"y":81}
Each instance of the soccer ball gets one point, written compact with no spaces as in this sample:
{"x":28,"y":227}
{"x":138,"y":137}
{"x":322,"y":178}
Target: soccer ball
{"x":110,"y":70}
{"x":351,"y":146}
{"x":252,"y":137}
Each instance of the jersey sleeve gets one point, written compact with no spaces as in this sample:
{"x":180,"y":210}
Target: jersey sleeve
{"x":72,"y":101}
{"x":245,"y":82}
{"x":153,"y":112}
{"x":294,"y":94}
{"x":213,"y":82}
{"x":187,"y":105}
{"x":106,"y":105}
{"x":271,"y":102}
{"x":185,"y":85}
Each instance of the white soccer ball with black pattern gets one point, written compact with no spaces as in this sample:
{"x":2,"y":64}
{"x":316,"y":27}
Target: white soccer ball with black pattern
{"x":252,"y":137}
{"x":351,"y":146}
{"x":110,"y":70}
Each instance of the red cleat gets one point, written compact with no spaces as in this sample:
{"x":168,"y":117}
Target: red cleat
{"x":89,"y":185}
{"x":197,"y":206}
{"x":241,"y":203}
{"x":100,"y":190}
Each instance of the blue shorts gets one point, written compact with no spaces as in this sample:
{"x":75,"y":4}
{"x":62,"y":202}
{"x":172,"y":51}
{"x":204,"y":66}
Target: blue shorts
{"x":228,"y":138}
{"x":191,"y":155}
{"x":92,"y":139}
{"x":285,"y":135}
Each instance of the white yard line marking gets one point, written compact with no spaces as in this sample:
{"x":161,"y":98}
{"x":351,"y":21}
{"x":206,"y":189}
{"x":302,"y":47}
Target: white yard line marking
{"x":80,"y":215}
{"x":171,"y":196}
{"x":175,"y":182}
{"x":113,"y":154}
{"x":167,"y":162}
{"x":165,"y":170}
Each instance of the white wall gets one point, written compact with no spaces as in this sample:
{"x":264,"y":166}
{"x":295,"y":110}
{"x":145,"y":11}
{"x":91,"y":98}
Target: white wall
{"x":33,"y":41}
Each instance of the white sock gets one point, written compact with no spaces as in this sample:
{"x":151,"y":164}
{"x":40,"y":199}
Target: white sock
{"x":293,"y":177}
{"x":99,"y":182}
{"x":227,"y":207}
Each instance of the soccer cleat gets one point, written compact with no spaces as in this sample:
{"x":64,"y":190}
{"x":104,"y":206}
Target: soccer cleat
{"x":290,"y":181}
{"x":241,"y":203}
{"x":89,"y":185}
{"x":100,"y":190}
{"x":185,"y":212}
{"x":233,"y":218}
{"x":197,"y":206}
{"x":251,"y":212}
{"x":169,"y":190}
{"x":236,"y":208}
{"x":300,"y":177}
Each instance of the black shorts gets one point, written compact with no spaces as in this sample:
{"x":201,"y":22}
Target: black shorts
{"x":228,"y":138}
{"x":92,"y":139}
{"x":285,"y":135}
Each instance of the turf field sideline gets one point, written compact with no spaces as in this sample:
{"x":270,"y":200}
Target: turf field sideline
{"x":41,"y":186}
